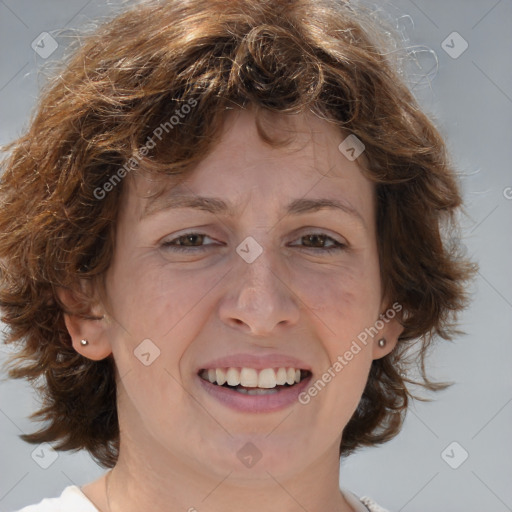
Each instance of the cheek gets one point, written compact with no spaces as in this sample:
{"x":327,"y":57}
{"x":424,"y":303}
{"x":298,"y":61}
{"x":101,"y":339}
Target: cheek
{"x":150,"y":299}
{"x":346,"y":298}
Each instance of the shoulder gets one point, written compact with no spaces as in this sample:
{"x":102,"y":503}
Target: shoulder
{"x":72,"y":498}
{"x":364,"y":504}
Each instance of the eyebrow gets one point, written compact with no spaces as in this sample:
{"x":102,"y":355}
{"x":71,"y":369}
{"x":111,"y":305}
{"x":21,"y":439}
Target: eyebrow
{"x":218,"y":206}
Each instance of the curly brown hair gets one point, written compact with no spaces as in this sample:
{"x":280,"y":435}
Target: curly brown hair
{"x":58,"y":224}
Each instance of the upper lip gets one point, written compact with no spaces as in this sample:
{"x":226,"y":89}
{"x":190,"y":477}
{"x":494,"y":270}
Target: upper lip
{"x":258,"y":362}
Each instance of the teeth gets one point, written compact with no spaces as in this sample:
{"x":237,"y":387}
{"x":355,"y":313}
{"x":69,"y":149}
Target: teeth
{"x":256,"y":391}
{"x":265,"y":379}
{"x":249,"y":378}
{"x":220,"y":376}
{"x":281,"y":376}
{"x":233,"y":377}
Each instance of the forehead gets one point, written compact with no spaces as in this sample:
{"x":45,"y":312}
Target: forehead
{"x":243,"y":165}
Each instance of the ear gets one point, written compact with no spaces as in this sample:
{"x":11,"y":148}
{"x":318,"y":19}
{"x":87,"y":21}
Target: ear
{"x":91,"y":326}
{"x":389,"y":328}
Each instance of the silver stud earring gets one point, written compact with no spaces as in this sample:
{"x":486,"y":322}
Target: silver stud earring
{"x":84,"y":342}
{"x":382,"y":342}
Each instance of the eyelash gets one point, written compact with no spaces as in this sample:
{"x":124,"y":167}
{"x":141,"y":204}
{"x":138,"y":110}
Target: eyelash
{"x":174,"y":247}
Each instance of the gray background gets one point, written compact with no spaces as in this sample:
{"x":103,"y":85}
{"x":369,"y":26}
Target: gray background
{"x":470,"y":98}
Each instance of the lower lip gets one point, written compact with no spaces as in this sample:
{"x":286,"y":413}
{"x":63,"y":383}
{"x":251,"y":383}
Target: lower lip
{"x":256,"y":403}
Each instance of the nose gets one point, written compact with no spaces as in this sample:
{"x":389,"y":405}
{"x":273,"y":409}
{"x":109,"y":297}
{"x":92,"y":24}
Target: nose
{"x":259,"y":297}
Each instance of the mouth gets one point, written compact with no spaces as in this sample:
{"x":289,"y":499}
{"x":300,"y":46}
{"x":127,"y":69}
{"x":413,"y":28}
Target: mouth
{"x":249,"y":381}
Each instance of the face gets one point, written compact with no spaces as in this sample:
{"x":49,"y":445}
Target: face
{"x":270,"y":282}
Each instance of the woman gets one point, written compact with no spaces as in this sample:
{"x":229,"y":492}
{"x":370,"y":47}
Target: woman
{"x":220,"y":236}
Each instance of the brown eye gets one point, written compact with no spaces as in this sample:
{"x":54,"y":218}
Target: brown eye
{"x":315,"y":239}
{"x":187,"y":242}
{"x":191,"y":239}
{"x":321,"y":242}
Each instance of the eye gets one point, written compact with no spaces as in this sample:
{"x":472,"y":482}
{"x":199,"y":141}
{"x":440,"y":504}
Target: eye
{"x":193,"y":242}
{"x":321,"y":239}
{"x":187,"y":243}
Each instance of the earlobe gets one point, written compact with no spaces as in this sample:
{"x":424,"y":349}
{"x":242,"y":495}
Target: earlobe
{"x":382,"y":347}
{"x":387,"y":339}
{"x":88,"y":331}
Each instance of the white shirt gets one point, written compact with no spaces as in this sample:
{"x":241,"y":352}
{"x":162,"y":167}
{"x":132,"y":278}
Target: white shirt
{"x":73,"y":499}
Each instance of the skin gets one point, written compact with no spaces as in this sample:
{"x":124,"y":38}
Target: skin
{"x":178,"y":444}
